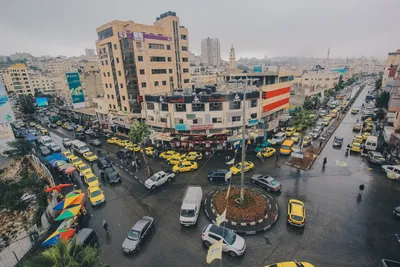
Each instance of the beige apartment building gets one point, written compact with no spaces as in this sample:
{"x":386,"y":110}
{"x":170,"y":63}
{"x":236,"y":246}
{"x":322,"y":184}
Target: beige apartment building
{"x":18,"y":79}
{"x":57,"y":67}
{"x":43,"y":84}
{"x":5,"y":78}
{"x":137,"y":59}
{"x":312,"y":83}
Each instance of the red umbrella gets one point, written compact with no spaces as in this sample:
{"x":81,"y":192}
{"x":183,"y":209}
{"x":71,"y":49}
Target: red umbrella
{"x":58,"y":187}
{"x":70,"y":170}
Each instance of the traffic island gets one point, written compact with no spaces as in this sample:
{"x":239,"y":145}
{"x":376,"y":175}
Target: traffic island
{"x":258,"y":212}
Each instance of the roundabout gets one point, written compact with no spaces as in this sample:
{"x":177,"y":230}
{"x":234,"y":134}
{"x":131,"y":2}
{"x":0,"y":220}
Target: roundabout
{"x":258,"y":212}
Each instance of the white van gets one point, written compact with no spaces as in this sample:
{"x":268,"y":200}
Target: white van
{"x":279,"y":137}
{"x":191,"y":204}
{"x":371,"y":143}
{"x":45,"y":140}
{"x":79,"y":147}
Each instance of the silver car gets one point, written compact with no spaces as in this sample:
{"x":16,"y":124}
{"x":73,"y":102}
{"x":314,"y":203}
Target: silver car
{"x":137,"y":234}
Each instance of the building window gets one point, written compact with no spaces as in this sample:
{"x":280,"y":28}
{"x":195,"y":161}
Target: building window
{"x":163,"y":120}
{"x":143,"y":85}
{"x":140,"y":58}
{"x":184,"y":48}
{"x":197,"y":107}
{"x":119,"y":73}
{"x":186,"y":81}
{"x":178,"y":121}
{"x":168,"y":47}
{"x":110,"y":85}
{"x":157,"y":59}
{"x":102,"y":63}
{"x":117,"y":59}
{"x":185,"y":59}
{"x":216,"y":120}
{"x":183,"y":37}
{"x":253,"y":115}
{"x":106,"y":62}
{"x":121,"y":85}
{"x":180,"y":107}
{"x":253,"y":103}
{"x":106,"y":85}
{"x":141,"y":71}
{"x":156,"y":84}
{"x":138,"y":45}
{"x":164,"y":82}
{"x":150,"y":106}
{"x":326,"y":79}
{"x":110,"y":105}
{"x":156,"y":46}
{"x":195,"y":121}
{"x":125,"y":109}
{"x":108,"y":96}
{"x":170,"y":71}
{"x":108,"y":74}
{"x":164,"y":107}
{"x":114,"y":106}
{"x":112,"y":96}
{"x":234,"y":105}
{"x":215,"y":106}
{"x":123,"y":97}
{"x":236,"y":118}
{"x":104,"y":74}
{"x":115,"y":47}
{"x":186,"y":70}
{"x":159,"y":71}
{"x":150,"y":118}
{"x":169,"y":59}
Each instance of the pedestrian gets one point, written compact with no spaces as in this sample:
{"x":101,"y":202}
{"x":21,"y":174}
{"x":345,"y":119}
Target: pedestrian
{"x":320,"y":144}
{"x":260,"y":156}
{"x":277,"y":156}
{"x":105,"y":226}
{"x":324,"y":162}
{"x":227,"y":158}
{"x":139,"y":164}
{"x":81,"y":175}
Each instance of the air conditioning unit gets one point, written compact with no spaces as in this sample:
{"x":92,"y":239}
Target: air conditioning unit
{"x":179,"y":105}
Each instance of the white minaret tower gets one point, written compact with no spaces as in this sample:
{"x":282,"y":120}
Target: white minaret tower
{"x":327,"y":60}
{"x":232,"y":59}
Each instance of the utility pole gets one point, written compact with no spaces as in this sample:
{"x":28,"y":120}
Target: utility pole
{"x":243,"y":143}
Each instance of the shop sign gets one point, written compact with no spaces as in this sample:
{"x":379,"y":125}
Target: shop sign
{"x":252,"y":122}
{"x":190,"y":116}
{"x":180,"y":127}
{"x":202,"y":127}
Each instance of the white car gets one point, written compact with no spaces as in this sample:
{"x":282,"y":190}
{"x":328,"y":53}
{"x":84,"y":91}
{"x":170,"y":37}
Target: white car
{"x":279,"y":137}
{"x":316,"y":132}
{"x":158,"y":179}
{"x":234,"y":244}
{"x":392,"y":171}
{"x":54,"y":148}
{"x":66,"y":142}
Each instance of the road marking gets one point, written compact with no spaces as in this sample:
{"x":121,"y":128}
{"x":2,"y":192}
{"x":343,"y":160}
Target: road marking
{"x":126,"y":169}
{"x":130,"y":173}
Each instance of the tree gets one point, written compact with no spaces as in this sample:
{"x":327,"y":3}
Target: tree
{"x":138,"y":134}
{"x":27,"y":104}
{"x":382,"y":101}
{"x":303,"y":119}
{"x":378,"y":83}
{"x":67,"y":254}
{"x":18,"y":148}
{"x":311,"y":103}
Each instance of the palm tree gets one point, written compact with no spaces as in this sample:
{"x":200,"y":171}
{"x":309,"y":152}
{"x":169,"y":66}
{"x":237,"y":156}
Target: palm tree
{"x":18,"y":148}
{"x":138,"y":134}
{"x":67,"y":254}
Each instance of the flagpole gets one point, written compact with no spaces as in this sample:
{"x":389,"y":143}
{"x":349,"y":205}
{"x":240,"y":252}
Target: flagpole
{"x":243,"y":143}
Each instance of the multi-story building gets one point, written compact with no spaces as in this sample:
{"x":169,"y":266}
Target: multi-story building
{"x":90,"y":52}
{"x":19,"y":80}
{"x":5,"y":78}
{"x":211,"y":52}
{"x":389,"y":71}
{"x":312,"y":83}
{"x":58,"y":67}
{"x":43,"y":84}
{"x":138,"y":59}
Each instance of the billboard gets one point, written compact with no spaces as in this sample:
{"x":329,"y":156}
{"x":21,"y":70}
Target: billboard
{"x":75,"y":88}
{"x":42,"y":101}
{"x":6,"y":112}
{"x":258,"y":69}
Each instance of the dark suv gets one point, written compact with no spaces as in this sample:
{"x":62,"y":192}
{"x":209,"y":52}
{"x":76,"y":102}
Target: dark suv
{"x":111,"y":175}
{"x":217,"y":175}
{"x":87,"y":237}
{"x":103,"y":163}
{"x":124,"y":154}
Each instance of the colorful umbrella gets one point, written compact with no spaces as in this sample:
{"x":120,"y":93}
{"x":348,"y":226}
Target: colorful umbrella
{"x":58,"y":163}
{"x":69,"y":213}
{"x":63,"y":234}
{"x":65,"y":166}
{"x":68,"y":200}
{"x":70,"y":170}
{"x":58,"y":187}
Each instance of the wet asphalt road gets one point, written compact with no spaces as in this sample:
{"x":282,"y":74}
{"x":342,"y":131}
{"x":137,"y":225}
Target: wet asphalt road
{"x":340,"y":230}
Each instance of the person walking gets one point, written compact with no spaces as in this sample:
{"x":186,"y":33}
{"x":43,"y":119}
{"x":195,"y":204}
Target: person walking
{"x":320,"y":144}
{"x":260,"y":156}
{"x":105,"y":226}
{"x":277,"y":156}
{"x":324,"y":162}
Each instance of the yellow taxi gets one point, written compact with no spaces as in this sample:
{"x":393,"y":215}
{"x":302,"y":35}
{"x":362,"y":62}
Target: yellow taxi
{"x":266,"y":152}
{"x":354,"y":110}
{"x":290,"y":131}
{"x":193,"y":155}
{"x":368,"y":120}
{"x":296,"y":213}
{"x":96,"y":195}
{"x":295,"y":137}
{"x":357,"y":139}
{"x":84,"y":169}
{"x":44,"y":131}
{"x":124,"y":143}
{"x":326,"y":121}
{"x":306,"y":140}
{"x":334,"y":113}
{"x":91,"y":179}
{"x":356,"y":147}
{"x":150,"y":151}
{"x":90,"y":156}
{"x":32,"y":124}
{"x":59,"y":123}
{"x":75,"y":161}
{"x":38,"y":127}
{"x":286,"y":147}
{"x":134,"y":147}
{"x":68,"y":154}
{"x":176,"y":159}
{"x":65,"y":125}
{"x":248,"y":166}
{"x":80,"y":129}
{"x":113,"y":140}
{"x":168,"y":154}
{"x":291,"y":264}
{"x":185,"y":166}
{"x":365,"y":135}
{"x":368,"y":128}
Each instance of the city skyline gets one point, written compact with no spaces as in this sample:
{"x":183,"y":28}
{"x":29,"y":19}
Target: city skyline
{"x":306,"y":29}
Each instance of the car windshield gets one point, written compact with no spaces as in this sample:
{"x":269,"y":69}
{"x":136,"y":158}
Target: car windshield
{"x":273,"y":182}
{"x":133,"y":235}
{"x":95,"y":193}
{"x":229,"y":236}
{"x":89,"y":155}
{"x":285,"y":147}
{"x":356,"y":145}
{"x":92,"y":179}
{"x":154,"y":177}
{"x":84,"y":168}
{"x":297,"y":218}
{"x":83,"y":148}
{"x":113,"y":174}
{"x":76,"y":160}
{"x":187,"y":213}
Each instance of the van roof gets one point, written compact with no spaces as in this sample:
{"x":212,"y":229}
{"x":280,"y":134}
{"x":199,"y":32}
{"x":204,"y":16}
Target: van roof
{"x":372,"y":137}
{"x":191,"y":194}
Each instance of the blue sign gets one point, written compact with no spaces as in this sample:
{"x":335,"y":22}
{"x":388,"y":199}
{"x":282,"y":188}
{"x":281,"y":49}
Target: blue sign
{"x":257,"y":69}
{"x":180,"y":127}
{"x":42,"y":101}
{"x":252,"y":122}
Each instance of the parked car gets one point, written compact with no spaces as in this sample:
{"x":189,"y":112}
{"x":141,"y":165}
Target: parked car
{"x":279,"y":137}
{"x":95,"y":142}
{"x":338,"y":141}
{"x":87,"y":237}
{"x":158,"y":179}
{"x":137,"y":234}
{"x":390,"y":168}
{"x":54,"y":148}
{"x":44,"y":150}
{"x":217,"y":175}
{"x":66,"y":142}
{"x":233,"y":243}
{"x":124,"y":154}
{"x":376,"y":157}
{"x":89,"y":131}
{"x":316,"y":133}
{"x":103,"y":163}
{"x":267,"y":182}
{"x":53,"y":125}
{"x":111,"y":175}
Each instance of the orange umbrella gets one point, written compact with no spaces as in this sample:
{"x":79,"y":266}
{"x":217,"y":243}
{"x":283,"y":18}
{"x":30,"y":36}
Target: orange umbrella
{"x":58,"y":187}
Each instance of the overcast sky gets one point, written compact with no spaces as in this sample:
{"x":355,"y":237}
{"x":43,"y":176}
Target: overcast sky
{"x":255,"y":27}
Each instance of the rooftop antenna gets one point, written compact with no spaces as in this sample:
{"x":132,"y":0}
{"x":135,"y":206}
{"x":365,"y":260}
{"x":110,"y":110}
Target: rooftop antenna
{"x":327,"y":60}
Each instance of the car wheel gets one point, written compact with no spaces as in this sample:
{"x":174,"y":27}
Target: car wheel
{"x":210,"y":178}
{"x":207,"y":244}
{"x":138,"y":248}
{"x":153,"y":187}
{"x":232,"y":254}
{"x":169,"y":180}
{"x":253,"y":181}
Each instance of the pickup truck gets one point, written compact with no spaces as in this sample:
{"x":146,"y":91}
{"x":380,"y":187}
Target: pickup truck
{"x":158,"y":179}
